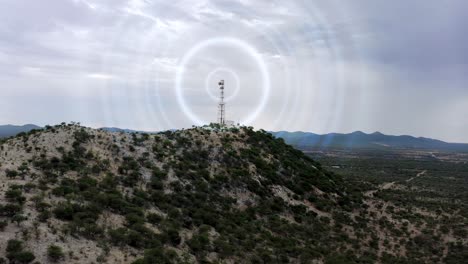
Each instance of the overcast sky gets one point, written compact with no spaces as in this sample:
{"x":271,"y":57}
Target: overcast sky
{"x":399,"y":67}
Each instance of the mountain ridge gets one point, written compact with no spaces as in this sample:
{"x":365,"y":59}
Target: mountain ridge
{"x":308,"y":140}
{"x":361,"y":140}
{"x":12,"y":130}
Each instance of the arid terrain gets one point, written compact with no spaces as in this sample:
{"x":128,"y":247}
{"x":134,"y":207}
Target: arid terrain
{"x":428,"y":187}
{"x":208,"y":195}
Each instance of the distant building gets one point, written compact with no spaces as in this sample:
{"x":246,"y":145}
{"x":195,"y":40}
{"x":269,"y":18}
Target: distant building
{"x":229,"y":123}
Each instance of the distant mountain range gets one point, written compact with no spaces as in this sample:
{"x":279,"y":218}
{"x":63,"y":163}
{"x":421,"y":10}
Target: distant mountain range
{"x":307,"y":140}
{"x":361,"y":140}
{"x":11,"y":130}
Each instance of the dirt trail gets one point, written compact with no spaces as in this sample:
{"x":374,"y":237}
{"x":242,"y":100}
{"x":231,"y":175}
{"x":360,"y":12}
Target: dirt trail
{"x":388,"y":185}
{"x":417,"y":175}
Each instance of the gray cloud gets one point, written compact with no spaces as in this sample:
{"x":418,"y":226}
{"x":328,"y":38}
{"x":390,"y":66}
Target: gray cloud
{"x":393,"y":66}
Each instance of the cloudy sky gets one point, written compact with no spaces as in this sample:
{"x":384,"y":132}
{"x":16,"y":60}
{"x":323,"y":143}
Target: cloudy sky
{"x":399,"y":67}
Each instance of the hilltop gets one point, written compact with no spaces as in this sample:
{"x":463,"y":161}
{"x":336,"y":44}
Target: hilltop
{"x":310,"y":141}
{"x":73,"y":194}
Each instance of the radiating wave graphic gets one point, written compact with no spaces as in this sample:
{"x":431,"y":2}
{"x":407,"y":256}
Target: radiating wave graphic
{"x":277,"y":78}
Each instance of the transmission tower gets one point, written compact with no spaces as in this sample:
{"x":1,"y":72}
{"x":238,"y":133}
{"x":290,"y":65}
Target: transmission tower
{"x":222,"y":105}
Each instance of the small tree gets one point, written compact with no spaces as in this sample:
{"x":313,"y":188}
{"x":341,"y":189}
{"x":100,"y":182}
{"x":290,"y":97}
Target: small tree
{"x":173,"y":236}
{"x":55,"y":253}
{"x":18,"y":218}
{"x":15,"y":195}
{"x":9,"y":210}
{"x":24,"y":257}
{"x":11,"y":173}
{"x":23,"y":169}
{"x":14,"y":246}
{"x":16,"y":254}
{"x":3,"y":224}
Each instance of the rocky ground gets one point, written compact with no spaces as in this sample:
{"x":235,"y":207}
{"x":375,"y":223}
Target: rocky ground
{"x":191,"y":196}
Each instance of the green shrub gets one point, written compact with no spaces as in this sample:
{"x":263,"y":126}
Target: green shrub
{"x":55,"y":253}
{"x":43,"y":216}
{"x":14,"y":246}
{"x":3,"y":224}
{"x":29,"y":186}
{"x":64,"y":211}
{"x":11,"y":173}
{"x":133,"y":219}
{"x":157,"y":255}
{"x":81,"y":136}
{"x":15,"y":195}
{"x":23,"y":257}
{"x":135,"y":239}
{"x":118,"y":237}
{"x":154,"y":218}
{"x":199,"y":243}
{"x":173,"y":236}
{"x":18,"y":218}
{"x":9,"y":210}
{"x":16,"y":254}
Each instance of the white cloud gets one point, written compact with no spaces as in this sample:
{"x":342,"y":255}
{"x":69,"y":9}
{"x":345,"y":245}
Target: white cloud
{"x":333,"y":65}
{"x":100,"y":76}
{"x":30,"y":70}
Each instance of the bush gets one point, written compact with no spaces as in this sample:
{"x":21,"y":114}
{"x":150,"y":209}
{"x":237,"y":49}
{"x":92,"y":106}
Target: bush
{"x":11,"y":173}
{"x":14,"y":246}
{"x":3,"y":224}
{"x":24,"y":257}
{"x":18,"y":218}
{"x":15,"y":195}
{"x":199,"y":243}
{"x":156,"y":183}
{"x":16,"y":254}
{"x":118,"y":237}
{"x":9,"y":210}
{"x":174,"y":237}
{"x":156,"y":255}
{"x":55,"y":253}
{"x":43,"y":216}
{"x":29,"y":186}
{"x":135,"y":239}
{"x":153,"y":218}
{"x":64,"y":211}
{"x":133,"y":219}
{"x":81,"y":136}
{"x":337,"y":259}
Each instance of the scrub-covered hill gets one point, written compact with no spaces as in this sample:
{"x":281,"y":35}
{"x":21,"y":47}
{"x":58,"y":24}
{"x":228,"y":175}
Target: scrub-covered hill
{"x":78,"y":195}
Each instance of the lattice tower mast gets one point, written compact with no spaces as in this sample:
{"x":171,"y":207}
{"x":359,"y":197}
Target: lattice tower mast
{"x":221,"y":105}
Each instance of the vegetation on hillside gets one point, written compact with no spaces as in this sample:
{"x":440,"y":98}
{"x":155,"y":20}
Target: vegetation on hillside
{"x":198,"y":195}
